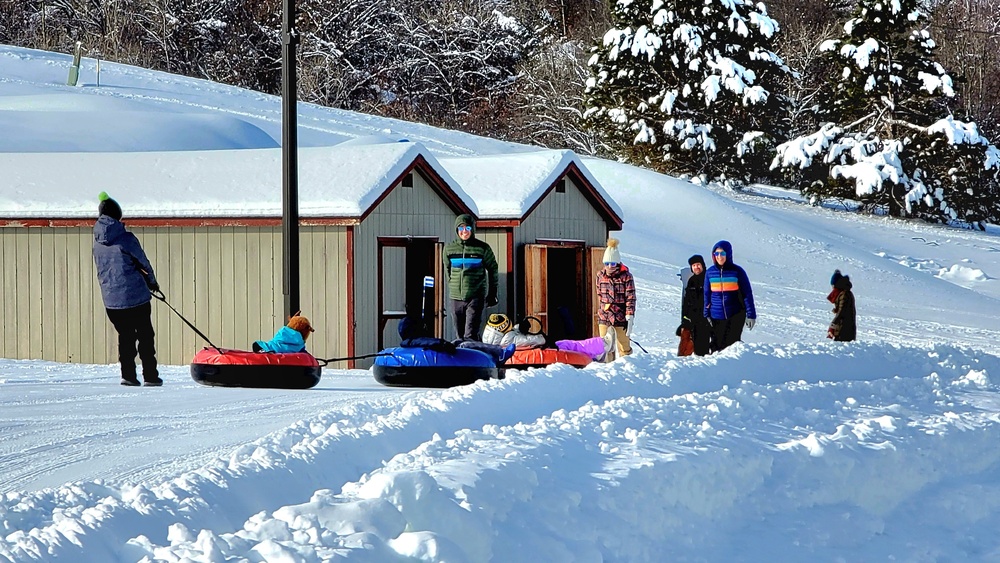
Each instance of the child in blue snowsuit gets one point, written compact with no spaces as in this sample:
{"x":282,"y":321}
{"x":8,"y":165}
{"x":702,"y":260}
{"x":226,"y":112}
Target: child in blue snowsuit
{"x":289,"y":338}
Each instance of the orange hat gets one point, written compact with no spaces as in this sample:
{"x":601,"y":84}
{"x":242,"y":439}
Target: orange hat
{"x":301,"y":324}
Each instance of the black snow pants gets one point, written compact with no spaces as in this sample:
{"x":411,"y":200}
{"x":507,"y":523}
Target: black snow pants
{"x":726,"y":332}
{"x":702,"y":336}
{"x":135,"y":325}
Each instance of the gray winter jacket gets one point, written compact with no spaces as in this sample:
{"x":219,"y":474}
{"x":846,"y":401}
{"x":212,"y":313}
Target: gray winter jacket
{"x":123,"y":270}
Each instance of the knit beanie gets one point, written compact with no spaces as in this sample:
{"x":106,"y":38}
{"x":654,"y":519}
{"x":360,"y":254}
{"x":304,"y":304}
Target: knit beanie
{"x":696,"y":259}
{"x":836,"y":277}
{"x":109,"y":207}
{"x":301,"y":324}
{"x":611,"y":254}
{"x":500,"y":322}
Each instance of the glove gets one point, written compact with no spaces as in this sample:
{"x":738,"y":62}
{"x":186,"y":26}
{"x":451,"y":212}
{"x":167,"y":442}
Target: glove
{"x":629,"y":325}
{"x":750,"y":323}
{"x":153,"y":287}
{"x":679,"y":328}
{"x":492,"y":301}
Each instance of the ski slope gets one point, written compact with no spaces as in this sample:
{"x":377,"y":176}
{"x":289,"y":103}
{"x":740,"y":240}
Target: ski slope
{"x":785,"y":447}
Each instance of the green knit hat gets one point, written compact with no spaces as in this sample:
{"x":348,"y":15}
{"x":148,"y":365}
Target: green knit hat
{"x":108,"y":206}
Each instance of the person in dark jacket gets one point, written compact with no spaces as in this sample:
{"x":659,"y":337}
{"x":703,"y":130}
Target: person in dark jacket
{"x":616,"y":300}
{"x":414,"y":334}
{"x":693,"y":307}
{"x":127,"y":280}
{"x":728,"y":298}
{"x":844,"y":327}
{"x":472,"y":274}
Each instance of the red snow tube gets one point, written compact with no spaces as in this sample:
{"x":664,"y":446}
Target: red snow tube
{"x":260,"y":370}
{"x":541,"y":357}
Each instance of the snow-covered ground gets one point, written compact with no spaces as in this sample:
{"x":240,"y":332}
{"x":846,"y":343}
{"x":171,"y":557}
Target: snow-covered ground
{"x":786,"y":447}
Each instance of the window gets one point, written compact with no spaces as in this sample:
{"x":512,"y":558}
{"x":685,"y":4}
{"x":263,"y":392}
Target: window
{"x":561,"y":186}
{"x":408,"y":180}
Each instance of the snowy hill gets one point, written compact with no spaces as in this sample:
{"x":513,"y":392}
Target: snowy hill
{"x":786,"y":447}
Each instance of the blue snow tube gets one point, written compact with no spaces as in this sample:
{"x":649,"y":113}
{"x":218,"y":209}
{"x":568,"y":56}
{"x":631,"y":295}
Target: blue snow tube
{"x":420,"y":367}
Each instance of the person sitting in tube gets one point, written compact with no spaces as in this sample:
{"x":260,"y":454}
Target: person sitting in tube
{"x":289,"y":339}
{"x":415,"y":335}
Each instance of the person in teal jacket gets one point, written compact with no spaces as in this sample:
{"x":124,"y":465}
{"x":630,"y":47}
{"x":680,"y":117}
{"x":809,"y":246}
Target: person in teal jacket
{"x":289,"y":339}
{"x":472,"y":274}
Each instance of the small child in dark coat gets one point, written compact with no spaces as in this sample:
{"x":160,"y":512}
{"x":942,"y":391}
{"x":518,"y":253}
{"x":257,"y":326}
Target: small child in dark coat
{"x":844,"y":327}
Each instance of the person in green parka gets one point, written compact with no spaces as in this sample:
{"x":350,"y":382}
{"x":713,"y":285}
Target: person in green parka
{"x":471,"y":268}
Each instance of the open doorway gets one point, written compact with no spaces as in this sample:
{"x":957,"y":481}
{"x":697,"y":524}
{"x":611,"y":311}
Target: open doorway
{"x":404,"y":262}
{"x":556,"y":288}
{"x":567,"y":308}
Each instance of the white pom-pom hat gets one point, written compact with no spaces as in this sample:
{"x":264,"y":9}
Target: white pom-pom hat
{"x":611,"y":254}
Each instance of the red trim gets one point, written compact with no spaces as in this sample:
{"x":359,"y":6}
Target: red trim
{"x":379,"y":288}
{"x":65,"y":223}
{"x":350,"y":296}
{"x":442,"y":187}
{"x":596,"y":199}
{"x":511,"y":282}
{"x":613,"y":221}
{"x":497,"y":223}
{"x":404,"y":240}
{"x":328,"y":221}
{"x":183,"y":222}
{"x":436,"y":182}
{"x":559,"y":243}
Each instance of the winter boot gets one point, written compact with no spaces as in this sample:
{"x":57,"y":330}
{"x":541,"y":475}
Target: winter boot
{"x":507,"y":352}
{"x":610,"y":342}
{"x":151,"y":378}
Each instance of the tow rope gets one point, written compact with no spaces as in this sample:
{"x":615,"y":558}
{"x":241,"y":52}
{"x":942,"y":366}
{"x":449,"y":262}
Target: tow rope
{"x":159,"y":295}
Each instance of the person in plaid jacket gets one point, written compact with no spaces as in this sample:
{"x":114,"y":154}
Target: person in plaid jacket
{"x":616,"y":299}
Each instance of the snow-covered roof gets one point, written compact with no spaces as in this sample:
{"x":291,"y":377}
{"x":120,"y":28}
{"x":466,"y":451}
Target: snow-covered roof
{"x":507,"y":186}
{"x":338,"y":181}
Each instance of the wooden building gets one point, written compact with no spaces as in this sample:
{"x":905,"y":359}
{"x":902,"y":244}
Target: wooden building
{"x":548,"y":220}
{"x":373,"y":220}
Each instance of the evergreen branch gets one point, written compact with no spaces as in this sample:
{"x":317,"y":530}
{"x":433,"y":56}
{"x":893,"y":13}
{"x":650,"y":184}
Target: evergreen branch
{"x":860,"y":120}
{"x":908,"y":125}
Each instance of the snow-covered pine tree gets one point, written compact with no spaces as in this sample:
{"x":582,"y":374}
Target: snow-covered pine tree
{"x":888,"y":138}
{"x":689,"y":86}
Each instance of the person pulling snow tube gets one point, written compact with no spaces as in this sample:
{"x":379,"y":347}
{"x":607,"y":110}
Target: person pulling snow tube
{"x":220,"y":367}
{"x":422,"y":367}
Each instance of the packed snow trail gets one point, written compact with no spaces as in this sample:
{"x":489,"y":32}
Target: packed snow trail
{"x":93,"y":522}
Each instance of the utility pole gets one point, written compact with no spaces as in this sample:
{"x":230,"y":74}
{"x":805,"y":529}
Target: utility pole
{"x":289,"y":161}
